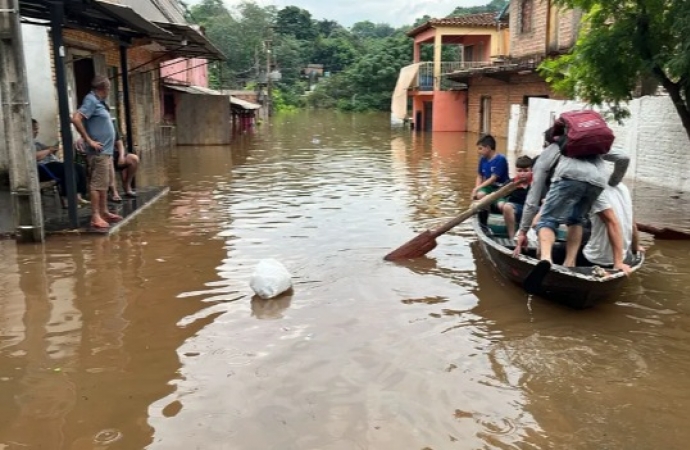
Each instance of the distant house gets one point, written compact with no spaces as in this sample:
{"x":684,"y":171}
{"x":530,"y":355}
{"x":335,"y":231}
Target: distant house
{"x":439,"y":104}
{"x":538,"y":29}
{"x":313,"y":70}
{"x":493,"y":82}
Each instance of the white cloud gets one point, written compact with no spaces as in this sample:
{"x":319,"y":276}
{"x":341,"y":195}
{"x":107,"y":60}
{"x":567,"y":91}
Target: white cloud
{"x":348,"y":12}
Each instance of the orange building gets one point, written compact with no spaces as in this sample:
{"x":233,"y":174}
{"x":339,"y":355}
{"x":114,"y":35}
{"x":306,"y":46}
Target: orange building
{"x":439,"y":104}
{"x":497,"y":67}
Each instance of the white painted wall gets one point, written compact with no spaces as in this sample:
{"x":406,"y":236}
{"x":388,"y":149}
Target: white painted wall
{"x":42,"y":93}
{"x":653,"y":136}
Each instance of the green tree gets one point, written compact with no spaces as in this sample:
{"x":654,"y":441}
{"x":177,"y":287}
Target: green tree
{"x":240,"y":35}
{"x":326,"y":27}
{"x":206,"y":11}
{"x":290,"y":57}
{"x":296,"y":22}
{"x":335,"y":53}
{"x":493,"y":6}
{"x":369,"y":82}
{"x":367,"y":29}
{"x":621,"y":42}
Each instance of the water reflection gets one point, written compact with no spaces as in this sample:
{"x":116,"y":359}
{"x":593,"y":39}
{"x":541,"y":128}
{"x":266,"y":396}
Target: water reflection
{"x":272,"y":308}
{"x":152,"y":338}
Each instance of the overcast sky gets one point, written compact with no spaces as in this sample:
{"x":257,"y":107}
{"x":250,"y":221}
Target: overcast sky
{"x":394,"y":12}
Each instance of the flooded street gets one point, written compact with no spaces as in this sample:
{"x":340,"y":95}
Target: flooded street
{"x":152,"y":338}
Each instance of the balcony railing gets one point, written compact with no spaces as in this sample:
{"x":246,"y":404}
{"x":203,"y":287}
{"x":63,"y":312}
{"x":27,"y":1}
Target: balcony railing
{"x":425,"y":77}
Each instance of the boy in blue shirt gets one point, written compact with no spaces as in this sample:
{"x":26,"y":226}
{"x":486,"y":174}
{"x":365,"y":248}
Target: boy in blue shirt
{"x":493,"y":168}
{"x":512,"y":205}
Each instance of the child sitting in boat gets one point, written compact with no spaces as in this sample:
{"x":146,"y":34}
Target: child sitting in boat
{"x":512,"y":206}
{"x":493,"y":168}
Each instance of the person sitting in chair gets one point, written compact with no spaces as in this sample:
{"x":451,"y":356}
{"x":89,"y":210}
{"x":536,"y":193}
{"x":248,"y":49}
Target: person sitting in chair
{"x":126,"y":164}
{"x":51,"y":168}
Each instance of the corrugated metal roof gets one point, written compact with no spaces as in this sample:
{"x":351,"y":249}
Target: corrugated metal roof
{"x":196,"y":90}
{"x":106,"y":17}
{"x":243,"y":103}
{"x":168,"y":11}
{"x":197,"y":46}
{"x":199,"y":90}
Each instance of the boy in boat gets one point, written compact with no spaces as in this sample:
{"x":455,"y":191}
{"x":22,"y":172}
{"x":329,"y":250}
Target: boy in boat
{"x":493,"y":168}
{"x":512,"y":206}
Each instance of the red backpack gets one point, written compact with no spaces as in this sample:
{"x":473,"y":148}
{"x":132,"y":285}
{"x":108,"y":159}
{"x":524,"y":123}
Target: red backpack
{"x":585,"y":134}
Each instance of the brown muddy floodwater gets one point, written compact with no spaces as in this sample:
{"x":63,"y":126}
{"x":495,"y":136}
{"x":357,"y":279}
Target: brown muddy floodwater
{"x":151,"y":338}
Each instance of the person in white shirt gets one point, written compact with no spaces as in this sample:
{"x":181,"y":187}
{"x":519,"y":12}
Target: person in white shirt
{"x":611,"y":213}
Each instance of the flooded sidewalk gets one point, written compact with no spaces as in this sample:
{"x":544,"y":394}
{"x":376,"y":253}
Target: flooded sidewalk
{"x":56,"y":218}
{"x":151,"y":338}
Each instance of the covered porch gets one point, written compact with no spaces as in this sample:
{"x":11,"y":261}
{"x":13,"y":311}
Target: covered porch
{"x":34,"y":214}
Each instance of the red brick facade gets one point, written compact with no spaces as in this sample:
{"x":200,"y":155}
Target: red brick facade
{"x":502,"y":95}
{"x":538,"y":28}
{"x":145,"y":96}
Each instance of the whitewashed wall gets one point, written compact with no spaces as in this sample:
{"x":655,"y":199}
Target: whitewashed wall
{"x":42,"y":96}
{"x":653,"y":137}
{"x":42,"y":93}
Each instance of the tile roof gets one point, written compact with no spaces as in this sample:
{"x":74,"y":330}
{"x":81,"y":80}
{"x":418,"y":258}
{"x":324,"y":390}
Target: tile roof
{"x":471,"y":20}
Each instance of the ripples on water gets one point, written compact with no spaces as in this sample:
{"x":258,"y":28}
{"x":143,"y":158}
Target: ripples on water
{"x":151,"y":338}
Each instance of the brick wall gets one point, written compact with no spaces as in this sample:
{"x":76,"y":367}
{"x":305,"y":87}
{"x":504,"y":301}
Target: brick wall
{"x":503,"y":95}
{"x":143,"y":103}
{"x":534,"y":42}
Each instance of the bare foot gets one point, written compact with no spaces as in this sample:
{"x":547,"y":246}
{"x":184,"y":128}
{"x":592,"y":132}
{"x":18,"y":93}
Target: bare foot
{"x":99,"y":223}
{"x":110,"y":217}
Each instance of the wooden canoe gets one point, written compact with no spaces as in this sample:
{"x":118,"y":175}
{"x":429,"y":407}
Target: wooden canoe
{"x":579,"y":287}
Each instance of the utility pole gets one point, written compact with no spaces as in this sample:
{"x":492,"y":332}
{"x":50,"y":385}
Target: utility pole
{"x":17,"y":131}
{"x":269,"y":98}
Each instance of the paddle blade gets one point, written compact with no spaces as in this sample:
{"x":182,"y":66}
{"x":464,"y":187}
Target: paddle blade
{"x":414,"y":248}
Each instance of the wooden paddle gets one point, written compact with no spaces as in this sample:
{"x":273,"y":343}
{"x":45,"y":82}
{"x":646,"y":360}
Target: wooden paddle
{"x":426,"y":241}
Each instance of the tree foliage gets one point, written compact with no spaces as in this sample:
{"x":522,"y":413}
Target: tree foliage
{"x":493,"y":6}
{"x":363,"y":62}
{"x":621,"y":43}
{"x":296,"y":22}
{"x":367,"y":29}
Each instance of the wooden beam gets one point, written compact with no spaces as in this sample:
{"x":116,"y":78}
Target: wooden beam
{"x":501,"y":76}
{"x":18,"y":134}
{"x":56,"y":23}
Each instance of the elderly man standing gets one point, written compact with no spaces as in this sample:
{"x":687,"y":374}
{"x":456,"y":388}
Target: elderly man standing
{"x":93,"y":122}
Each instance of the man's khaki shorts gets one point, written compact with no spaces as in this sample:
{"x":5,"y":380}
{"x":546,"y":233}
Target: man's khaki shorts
{"x":99,"y":172}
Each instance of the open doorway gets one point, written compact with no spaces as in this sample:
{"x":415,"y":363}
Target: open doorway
{"x":84,"y":72}
{"x":485,"y":115}
{"x":428,"y":116}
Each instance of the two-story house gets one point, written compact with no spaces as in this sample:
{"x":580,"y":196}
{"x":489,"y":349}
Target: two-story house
{"x":458,"y":43}
{"x":538,"y":29}
{"x":505,"y":76}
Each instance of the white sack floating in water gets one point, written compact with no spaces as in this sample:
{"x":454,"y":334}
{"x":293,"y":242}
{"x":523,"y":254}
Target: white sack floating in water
{"x":270,"y":279}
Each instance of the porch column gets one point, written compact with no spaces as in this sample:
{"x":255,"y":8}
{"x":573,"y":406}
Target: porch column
{"x":124,"y":70}
{"x":18,"y":136}
{"x":416,"y":52}
{"x":438,"y":43}
{"x":56,"y":18}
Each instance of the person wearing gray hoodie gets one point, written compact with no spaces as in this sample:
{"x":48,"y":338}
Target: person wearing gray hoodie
{"x":575,"y":185}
